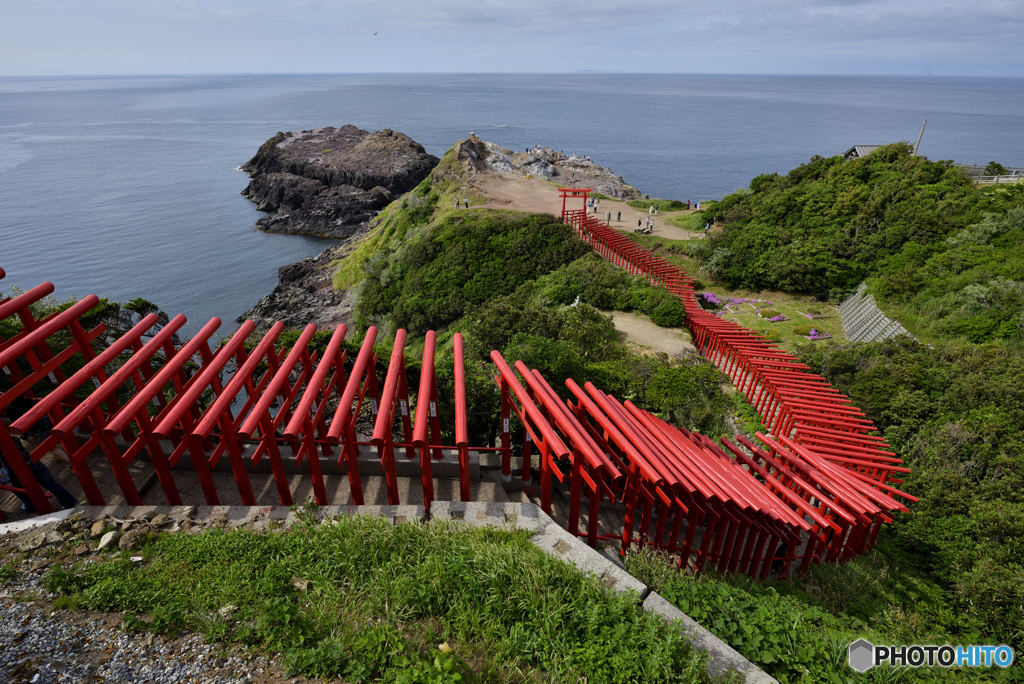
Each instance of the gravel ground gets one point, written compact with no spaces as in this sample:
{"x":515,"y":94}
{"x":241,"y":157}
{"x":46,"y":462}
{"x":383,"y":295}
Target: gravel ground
{"x":41,"y":645}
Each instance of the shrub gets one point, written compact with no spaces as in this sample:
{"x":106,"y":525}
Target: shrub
{"x":662,"y":205}
{"x":692,"y":394}
{"x":669,"y":314}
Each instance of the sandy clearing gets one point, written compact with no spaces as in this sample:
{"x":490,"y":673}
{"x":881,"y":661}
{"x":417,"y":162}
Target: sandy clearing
{"x":641,"y":331}
{"x":518,"y":193}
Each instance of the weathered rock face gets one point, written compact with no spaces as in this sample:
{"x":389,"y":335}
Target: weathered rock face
{"x":330,"y":181}
{"x":304,"y":293}
{"x":547,"y":164}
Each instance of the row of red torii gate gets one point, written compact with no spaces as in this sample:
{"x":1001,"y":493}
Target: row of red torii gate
{"x":816,"y":488}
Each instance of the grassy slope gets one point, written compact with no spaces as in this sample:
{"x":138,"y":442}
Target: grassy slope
{"x":380,"y":600}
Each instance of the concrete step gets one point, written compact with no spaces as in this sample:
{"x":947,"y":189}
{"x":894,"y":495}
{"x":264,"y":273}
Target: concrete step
{"x":339,"y":492}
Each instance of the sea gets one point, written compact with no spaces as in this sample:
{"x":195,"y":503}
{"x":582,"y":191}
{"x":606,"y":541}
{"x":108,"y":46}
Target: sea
{"x":129,"y":186}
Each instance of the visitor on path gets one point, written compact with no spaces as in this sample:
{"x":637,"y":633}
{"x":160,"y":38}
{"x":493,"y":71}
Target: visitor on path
{"x":638,"y":224}
{"x":687,"y":205}
{"x":467,"y":203}
{"x":43,"y":477}
{"x":39,"y":470}
{"x":618,"y":218}
{"x":39,"y":432}
{"x":655,"y":211}
{"x":707,"y":226}
{"x":651,"y":210}
{"x":698,"y":205}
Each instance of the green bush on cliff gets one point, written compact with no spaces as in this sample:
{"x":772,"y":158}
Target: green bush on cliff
{"x":828,"y":224}
{"x":691,"y":394}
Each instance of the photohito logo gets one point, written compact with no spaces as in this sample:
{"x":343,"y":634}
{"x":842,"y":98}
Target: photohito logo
{"x":864,"y":655}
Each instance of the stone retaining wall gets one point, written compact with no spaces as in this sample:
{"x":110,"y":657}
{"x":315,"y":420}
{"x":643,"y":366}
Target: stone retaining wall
{"x":863,"y":321}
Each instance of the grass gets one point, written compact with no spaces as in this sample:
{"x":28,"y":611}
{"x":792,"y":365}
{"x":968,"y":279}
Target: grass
{"x":693,"y":221}
{"x":382,"y":601}
{"x":798,"y":630}
{"x":787,"y":333}
{"x":7,"y":573}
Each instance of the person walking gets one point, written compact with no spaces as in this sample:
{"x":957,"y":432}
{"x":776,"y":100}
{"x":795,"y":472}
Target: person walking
{"x":687,"y":205}
{"x":651,"y":210}
{"x":638,"y":224}
{"x":467,"y":203}
{"x":618,"y":219}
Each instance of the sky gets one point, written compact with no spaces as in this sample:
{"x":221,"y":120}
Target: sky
{"x":915,"y":37}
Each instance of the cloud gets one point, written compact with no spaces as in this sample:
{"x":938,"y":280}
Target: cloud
{"x":745,"y":36}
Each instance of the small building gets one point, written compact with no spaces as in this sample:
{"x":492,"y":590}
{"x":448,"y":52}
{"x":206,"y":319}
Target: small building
{"x":859,"y":151}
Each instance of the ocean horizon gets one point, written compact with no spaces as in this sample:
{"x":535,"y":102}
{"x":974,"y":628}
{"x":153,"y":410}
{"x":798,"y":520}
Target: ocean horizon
{"x":128,"y":186}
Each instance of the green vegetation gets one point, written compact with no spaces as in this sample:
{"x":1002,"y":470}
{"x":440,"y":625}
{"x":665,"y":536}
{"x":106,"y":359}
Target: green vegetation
{"x":943,"y":256}
{"x":994,"y":169}
{"x":798,"y":630}
{"x":365,"y":600}
{"x":694,"y":221}
{"x":691,"y":395}
{"x":461,"y":263}
{"x":829,"y":224}
{"x":554,"y":324}
{"x":519,"y":283}
{"x":969,"y":285}
{"x":955,"y":412}
{"x":662,"y":205}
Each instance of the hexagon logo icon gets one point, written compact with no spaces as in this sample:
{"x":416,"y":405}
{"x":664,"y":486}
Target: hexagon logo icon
{"x":862,"y":655}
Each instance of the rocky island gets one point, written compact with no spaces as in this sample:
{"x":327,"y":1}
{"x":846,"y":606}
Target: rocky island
{"x":330,"y":181}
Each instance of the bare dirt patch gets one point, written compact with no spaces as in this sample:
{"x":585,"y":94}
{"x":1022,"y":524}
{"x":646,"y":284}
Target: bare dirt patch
{"x":639,"y":330}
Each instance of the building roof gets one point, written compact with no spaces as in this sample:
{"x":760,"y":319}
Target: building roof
{"x":859,"y":151}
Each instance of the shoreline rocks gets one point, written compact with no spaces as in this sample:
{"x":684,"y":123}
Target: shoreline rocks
{"x":332,"y":181}
{"x":305,"y":293}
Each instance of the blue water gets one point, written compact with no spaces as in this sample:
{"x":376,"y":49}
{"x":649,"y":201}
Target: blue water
{"x":128,"y":186}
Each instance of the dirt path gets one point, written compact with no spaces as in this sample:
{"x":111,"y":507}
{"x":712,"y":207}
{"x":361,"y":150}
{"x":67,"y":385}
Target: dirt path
{"x":517,"y":193}
{"x":641,"y":331}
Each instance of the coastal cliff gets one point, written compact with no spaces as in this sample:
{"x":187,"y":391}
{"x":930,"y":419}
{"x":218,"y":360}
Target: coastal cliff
{"x":330,"y":181}
{"x":312,"y":290}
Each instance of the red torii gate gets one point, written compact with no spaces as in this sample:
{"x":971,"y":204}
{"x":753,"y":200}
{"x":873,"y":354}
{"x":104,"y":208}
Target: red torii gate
{"x":819,"y":480}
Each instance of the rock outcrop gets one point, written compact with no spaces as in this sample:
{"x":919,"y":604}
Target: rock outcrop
{"x":330,"y":181}
{"x":548,"y":164}
{"x":305,"y":293}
